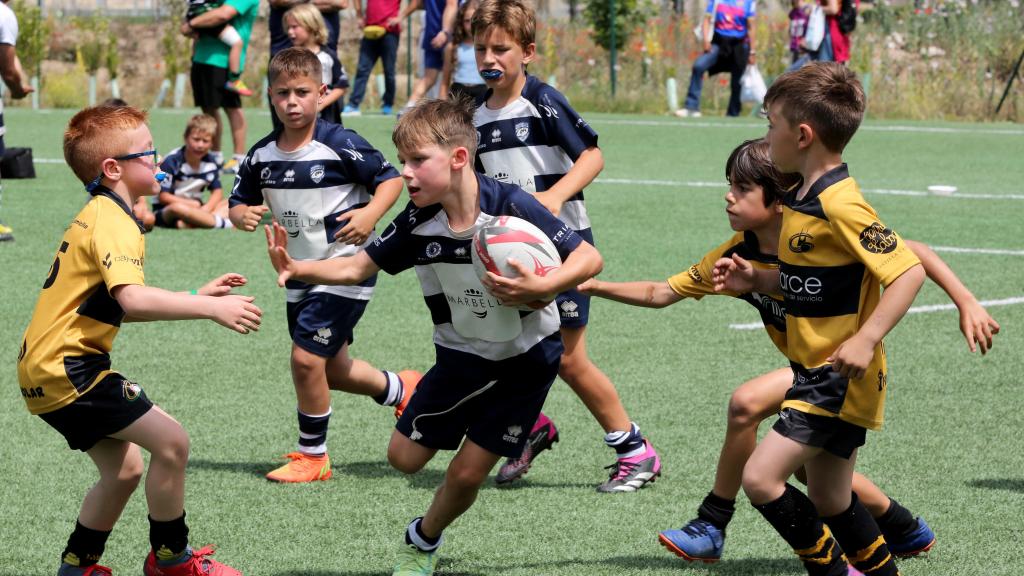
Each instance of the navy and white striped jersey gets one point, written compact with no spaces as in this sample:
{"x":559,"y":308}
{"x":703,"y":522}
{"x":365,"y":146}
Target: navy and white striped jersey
{"x":309,"y":191}
{"x":466,"y":317}
{"x":533,"y":142}
{"x":184,"y":180}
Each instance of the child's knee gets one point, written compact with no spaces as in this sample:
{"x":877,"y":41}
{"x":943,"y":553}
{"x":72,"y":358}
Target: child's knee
{"x":402,"y":461}
{"x":174,"y":451}
{"x":757,"y":488}
{"x":573,"y":366}
{"x":304,"y":363}
{"x":465,"y":477}
{"x":745,"y":408}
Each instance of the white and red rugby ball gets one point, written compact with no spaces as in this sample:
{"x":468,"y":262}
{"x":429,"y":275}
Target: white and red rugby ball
{"x":507,"y":237}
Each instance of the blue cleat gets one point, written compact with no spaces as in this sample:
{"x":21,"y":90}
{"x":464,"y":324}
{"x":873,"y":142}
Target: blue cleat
{"x":350,"y":110}
{"x":920,"y":540}
{"x":385,"y":110}
{"x":698,"y":541}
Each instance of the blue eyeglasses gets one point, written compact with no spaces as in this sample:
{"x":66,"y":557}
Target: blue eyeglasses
{"x":156,"y":160}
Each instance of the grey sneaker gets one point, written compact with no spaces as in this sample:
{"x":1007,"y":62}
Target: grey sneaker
{"x":632,"y":474}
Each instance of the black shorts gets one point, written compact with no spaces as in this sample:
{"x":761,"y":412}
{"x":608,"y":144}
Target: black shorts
{"x":835,"y":436}
{"x":109,"y":407}
{"x":493,"y":403}
{"x":208,"y":89}
{"x":322,"y":323}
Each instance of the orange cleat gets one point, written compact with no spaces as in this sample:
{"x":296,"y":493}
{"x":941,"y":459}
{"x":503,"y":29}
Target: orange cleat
{"x":410,"y":379}
{"x":302,"y":468}
{"x":200,"y":564}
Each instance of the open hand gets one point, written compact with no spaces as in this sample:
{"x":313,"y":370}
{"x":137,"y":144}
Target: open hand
{"x":238,"y":313}
{"x":277,"y":249}
{"x":222,"y":285}
{"x":733,"y":274}
{"x":977,"y":326}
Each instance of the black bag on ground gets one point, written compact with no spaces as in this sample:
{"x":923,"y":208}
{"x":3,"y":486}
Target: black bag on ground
{"x":17,"y":163}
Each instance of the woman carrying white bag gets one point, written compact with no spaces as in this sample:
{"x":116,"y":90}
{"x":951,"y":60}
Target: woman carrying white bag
{"x":728,"y":40}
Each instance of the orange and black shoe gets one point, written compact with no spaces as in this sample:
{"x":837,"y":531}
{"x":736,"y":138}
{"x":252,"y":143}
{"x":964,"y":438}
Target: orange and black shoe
{"x":302,"y":468}
{"x":410,"y":379}
{"x":198,"y":564}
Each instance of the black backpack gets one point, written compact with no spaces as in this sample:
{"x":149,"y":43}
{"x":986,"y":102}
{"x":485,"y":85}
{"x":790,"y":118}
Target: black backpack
{"x":847,"y":18}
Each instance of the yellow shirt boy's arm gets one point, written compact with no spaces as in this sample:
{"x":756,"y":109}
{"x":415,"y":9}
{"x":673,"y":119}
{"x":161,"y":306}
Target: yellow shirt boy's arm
{"x":644,"y":293}
{"x":584,"y":170}
{"x":148,"y":303}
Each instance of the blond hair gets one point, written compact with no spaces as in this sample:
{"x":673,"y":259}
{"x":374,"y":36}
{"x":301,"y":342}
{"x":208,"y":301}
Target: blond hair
{"x":309,"y":17}
{"x":445,"y":123}
{"x":97,"y":133}
{"x":203,"y":123}
{"x":825,"y":95}
{"x":516,"y":17}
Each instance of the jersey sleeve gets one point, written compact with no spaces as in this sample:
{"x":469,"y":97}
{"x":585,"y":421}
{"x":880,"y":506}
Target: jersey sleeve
{"x":339,"y":77}
{"x":751,"y":9}
{"x":525,"y":206}
{"x":8,"y":28}
{"x":247,"y":185}
{"x":391,"y":249}
{"x":215,"y":183}
{"x":563,"y":125}
{"x":882,"y":251}
{"x":119,"y":249}
{"x":695,"y":282}
{"x":365,"y":164}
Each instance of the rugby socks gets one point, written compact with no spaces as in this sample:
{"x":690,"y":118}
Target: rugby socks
{"x":414,"y":535}
{"x":795,"y":519}
{"x":627,"y":443}
{"x":393,"y":390}
{"x":169,"y":541}
{"x":313,"y":433}
{"x":85,"y":546}
{"x":865,"y":548}
{"x":897,"y":523}
{"x":220,"y":222}
{"x":716,"y":510}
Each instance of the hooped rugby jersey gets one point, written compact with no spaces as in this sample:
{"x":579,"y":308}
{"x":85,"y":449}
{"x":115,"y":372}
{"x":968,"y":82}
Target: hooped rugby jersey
{"x":534,"y":141}
{"x":834,"y":253}
{"x":309,"y":192}
{"x":186,"y":181}
{"x":696,"y":283}
{"x":466,"y":317}
{"x":66,"y":348}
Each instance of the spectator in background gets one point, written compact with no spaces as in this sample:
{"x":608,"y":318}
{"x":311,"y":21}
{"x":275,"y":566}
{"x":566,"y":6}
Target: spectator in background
{"x":307,"y":29}
{"x":460,"y":77}
{"x":381,"y":32}
{"x":14,"y":78}
{"x":210,"y":72}
{"x":437,"y":31}
{"x":798,"y":17}
{"x":730,"y":49}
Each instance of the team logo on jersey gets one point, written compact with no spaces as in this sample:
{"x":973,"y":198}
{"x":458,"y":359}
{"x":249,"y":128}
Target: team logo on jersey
{"x":878,"y":239}
{"x":353,"y":153}
{"x":130,"y":390}
{"x":316,"y":173}
{"x":289,"y":175}
{"x":549,"y":111}
{"x":106,"y":261}
{"x":323,"y":336}
{"x":433,"y":250}
{"x":495,"y":135}
{"x":513,"y":434}
{"x":581,"y":123}
{"x":290,"y":219}
{"x":265,"y":173}
{"x":569,"y":309}
{"x":695,"y":275}
{"x":522,"y":131}
{"x":881,"y":381}
{"x":801,"y":242}
{"x":460,"y":251}
{"x":502,"y":177}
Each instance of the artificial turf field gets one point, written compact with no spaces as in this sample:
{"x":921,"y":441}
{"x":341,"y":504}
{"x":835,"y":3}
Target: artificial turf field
{"x":950,"y":450}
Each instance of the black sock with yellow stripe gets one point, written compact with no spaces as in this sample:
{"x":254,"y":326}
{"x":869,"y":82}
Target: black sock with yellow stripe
{"x":795,"y":519}
{"x":861,"y":539}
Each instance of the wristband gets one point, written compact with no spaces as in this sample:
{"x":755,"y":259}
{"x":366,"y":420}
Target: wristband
{"x":193,"y":292}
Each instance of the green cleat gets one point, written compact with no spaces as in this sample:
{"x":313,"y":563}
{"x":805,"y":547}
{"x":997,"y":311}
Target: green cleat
{"x":414,"y":562}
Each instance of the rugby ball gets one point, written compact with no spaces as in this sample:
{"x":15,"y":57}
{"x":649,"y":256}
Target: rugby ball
{"x":507,"y":237}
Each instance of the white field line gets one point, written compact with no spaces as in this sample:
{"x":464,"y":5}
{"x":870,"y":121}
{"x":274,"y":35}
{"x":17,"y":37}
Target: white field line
{"x":868,"y":127}
{"x":960,"y":250}
{"x":880,"y":191}
{"x":1013,"y":301}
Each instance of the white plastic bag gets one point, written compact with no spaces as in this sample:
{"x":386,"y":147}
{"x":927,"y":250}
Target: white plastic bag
{"x":815,"y":29}
{"x":752,"y":86}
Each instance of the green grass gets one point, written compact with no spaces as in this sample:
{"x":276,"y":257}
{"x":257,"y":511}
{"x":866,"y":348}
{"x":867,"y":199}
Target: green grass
{"x":950,"y":450}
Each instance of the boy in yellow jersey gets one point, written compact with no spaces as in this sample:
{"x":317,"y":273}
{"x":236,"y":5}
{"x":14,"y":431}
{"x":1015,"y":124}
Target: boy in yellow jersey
{"x":95,"y":283}
{"x":754,"y":208}
{"x":834,"y":254}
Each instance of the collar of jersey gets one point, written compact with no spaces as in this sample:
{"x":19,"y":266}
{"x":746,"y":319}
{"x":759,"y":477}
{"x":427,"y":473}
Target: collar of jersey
{"x":102,"y":190}
{"x":754,"y":250}
{"x":837,"y":174}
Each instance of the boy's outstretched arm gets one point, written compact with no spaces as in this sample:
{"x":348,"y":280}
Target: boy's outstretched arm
{"x":852,"y":357}
{"x":583,"y":171}
{"x":362,"y":220}
{"x":643,"y":293}
{"x":345,"y":270}
{"x":246,"y":217}
{"x":148,"y":303}
{"x":976,"y":324}
{"x":582,"y":263}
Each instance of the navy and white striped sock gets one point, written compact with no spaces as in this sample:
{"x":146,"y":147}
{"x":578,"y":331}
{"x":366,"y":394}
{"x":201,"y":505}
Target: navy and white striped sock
{"x":393,"y":391}
{"x":627,"y":443}
{"x":313,"y":433}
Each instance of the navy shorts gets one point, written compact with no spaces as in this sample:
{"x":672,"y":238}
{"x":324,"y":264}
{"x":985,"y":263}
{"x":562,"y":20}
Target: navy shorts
{"x":322,"y":323}
{"x":107,"y":408}
{"x":492,"y":403}
{"x":835,"y":436}
{"x":433,"y":58}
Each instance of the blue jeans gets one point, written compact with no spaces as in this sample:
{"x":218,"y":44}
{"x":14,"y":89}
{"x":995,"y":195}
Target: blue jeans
{"x":701,"y":65}
{"x":386,"y":49}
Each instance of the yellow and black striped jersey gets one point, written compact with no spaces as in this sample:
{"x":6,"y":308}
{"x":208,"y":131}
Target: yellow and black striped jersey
{"x":66,"y":348}
{"x":834,"y":253}
{"x":696,"y":283}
